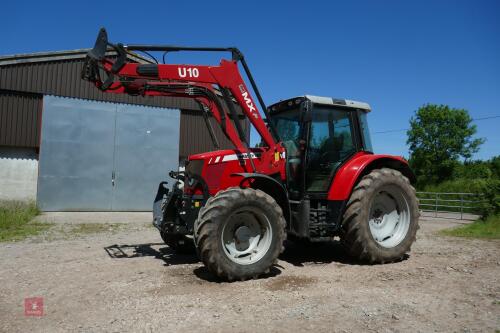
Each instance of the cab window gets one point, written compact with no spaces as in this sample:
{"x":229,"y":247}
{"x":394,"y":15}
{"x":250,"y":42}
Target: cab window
{"x":330,"y":143}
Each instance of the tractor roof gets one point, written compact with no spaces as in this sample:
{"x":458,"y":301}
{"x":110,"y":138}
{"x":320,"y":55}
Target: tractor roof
{"x":337,"y":101}
{"x":323,"y":101}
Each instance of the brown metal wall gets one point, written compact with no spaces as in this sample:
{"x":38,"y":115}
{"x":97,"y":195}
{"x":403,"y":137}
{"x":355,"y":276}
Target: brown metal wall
{"x":62,"y":78}
{"x":24,"y":84}
{"x":20,"y":116}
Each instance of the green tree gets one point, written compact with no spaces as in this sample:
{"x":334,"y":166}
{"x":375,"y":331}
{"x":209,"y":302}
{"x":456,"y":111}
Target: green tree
{"x":439,"y":136}
{"x":495,"y":166}
{"x":473,"y":170}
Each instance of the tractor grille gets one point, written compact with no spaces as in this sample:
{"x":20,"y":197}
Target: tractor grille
{"x":194,"y":167}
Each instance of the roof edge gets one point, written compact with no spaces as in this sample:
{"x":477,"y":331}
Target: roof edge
{"x":49,"y":56}
{"x":328,"y":101}
{"x":339,"y":101}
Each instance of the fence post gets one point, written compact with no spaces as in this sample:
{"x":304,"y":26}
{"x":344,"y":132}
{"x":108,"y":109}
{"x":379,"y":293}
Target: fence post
{"x":461,"y":206}
{"x":436,"y":209}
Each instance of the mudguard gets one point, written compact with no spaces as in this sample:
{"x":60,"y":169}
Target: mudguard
{"x":271,"y":186}
{"x":361,"y":164}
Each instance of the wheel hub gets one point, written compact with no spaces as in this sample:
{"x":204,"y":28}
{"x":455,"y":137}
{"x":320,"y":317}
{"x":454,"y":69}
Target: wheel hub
{"x":389,"y":219}
{"x":246,"y":236}
{"x":378,"y":216}
{"x":242,"y":236}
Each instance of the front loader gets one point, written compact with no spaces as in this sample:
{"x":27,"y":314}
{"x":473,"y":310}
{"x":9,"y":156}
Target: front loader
{"x":313,"y":176}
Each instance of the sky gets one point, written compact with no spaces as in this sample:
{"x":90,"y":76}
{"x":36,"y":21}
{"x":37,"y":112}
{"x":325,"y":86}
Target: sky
{"x":395,"y":55}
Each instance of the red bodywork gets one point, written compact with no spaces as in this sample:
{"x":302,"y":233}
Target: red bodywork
{"x":349,"y":172}
{"x":220,"y":167}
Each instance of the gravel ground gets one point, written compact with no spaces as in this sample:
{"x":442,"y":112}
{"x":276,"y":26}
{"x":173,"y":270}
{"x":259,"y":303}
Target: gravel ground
{"x":125,"y":279}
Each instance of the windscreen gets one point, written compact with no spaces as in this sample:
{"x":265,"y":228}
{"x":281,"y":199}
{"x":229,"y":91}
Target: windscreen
{"x":288,"y":124}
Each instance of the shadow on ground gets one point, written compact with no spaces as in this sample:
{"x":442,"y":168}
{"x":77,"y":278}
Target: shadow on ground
{"x":204,"y":274}
{"x":311,"y":253}
{"x":299,"y":254}
{"x":165,"y":253}
{"x":171,"y":258}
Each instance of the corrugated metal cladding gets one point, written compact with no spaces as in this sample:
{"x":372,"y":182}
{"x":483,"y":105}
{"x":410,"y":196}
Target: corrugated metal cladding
{"x":23,"y":84}
{"x":62,"y":78}
{"x":20,"y":116}
{"x":195,"y":138}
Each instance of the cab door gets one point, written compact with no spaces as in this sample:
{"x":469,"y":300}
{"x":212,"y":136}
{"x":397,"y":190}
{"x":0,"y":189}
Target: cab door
{"x":331,"y":140}
{"x":293,"y":138}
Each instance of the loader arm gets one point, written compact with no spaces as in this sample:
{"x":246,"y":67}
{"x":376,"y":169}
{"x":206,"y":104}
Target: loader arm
{"x":203,"y":83}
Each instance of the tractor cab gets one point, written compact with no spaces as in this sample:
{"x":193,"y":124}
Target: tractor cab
{"x":319,"y":135}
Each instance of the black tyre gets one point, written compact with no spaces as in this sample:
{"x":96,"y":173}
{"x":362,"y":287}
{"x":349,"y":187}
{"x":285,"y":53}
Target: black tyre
{"x":239,"y":233}
{"x":381,"y":218}
{"x":180,"y":244}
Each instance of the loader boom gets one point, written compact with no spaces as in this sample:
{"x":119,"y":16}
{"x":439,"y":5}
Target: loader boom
{"x":205,"y":84}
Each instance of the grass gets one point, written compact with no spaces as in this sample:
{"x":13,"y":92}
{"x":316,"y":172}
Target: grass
{"x":16,"y":221}
{"x":487,"y":229}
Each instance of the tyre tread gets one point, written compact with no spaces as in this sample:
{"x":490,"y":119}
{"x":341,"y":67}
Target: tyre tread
{"x":356,"y":237}
{"x":206,"y":238}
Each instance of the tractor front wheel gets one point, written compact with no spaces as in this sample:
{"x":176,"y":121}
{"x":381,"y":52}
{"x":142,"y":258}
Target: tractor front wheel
{"x":381,"y":218}
{"x":239,"y":233}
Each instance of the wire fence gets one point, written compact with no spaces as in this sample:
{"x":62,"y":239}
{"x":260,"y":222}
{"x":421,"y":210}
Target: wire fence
{"x":457,"y":203}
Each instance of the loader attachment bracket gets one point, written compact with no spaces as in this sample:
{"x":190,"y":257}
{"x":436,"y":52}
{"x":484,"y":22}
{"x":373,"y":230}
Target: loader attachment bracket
{"x":100,"y":46}
{"x":91,"y":70}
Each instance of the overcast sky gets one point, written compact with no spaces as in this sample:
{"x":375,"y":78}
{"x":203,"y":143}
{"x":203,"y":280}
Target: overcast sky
{"x":395,"y":55}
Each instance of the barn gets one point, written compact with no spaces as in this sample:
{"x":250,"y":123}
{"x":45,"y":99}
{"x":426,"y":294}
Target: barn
{"x":70,"y":147}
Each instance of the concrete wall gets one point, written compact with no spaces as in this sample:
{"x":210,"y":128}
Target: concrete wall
{"x":18,"y":173}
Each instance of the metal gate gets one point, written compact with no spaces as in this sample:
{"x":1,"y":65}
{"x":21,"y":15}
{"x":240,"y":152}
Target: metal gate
{"x":97,"y":156}
{"x":453,"y":204}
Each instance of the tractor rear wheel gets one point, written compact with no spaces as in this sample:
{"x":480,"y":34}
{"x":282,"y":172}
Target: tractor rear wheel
{"x":239,"y":233}
{"x":381,"y":218}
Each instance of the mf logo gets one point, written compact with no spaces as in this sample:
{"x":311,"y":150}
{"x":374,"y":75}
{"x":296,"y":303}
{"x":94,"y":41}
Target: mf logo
{"x":248,"y":101}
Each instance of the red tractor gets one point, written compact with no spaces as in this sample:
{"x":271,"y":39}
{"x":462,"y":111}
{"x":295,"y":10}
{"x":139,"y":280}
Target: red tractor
{"x":313,"y":176}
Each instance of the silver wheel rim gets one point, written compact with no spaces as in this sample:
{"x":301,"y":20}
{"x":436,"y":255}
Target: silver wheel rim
{"x":389,"y":217}
{"x":246,"y":236}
